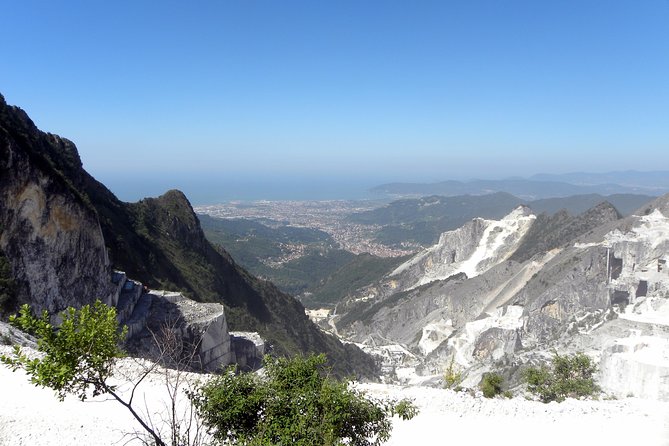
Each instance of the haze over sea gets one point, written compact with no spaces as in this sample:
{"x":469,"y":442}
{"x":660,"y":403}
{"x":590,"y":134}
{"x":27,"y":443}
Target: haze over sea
{"x":208,"y":189}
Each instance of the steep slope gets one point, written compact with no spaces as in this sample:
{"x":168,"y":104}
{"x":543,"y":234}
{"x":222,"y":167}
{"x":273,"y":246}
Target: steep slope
{"x":605,"y":293}
{"x":50,"y":236}
{"x":484,"y":291}
{"x":211,"y":275}
{"x":550,"y":232}
{"x":469,"y":250}
{"x":157,"y":241}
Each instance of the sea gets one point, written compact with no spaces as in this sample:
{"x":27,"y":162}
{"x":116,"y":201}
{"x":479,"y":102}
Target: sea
{"x":208,"y":189}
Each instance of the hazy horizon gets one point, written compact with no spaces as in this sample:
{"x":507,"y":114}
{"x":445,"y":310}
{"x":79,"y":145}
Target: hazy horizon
{"x":367,"y":92}
{"x":207,"y":190}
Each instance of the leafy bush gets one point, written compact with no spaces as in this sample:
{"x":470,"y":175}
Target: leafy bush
{"x":295,"y":403}
{"x":491,"y":385}
{"x":569,"y":376}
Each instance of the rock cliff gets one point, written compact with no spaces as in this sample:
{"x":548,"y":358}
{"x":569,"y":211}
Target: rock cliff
{"x":49,"y":230}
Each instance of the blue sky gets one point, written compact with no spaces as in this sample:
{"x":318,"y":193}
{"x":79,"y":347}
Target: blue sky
{"x":359,"y":90}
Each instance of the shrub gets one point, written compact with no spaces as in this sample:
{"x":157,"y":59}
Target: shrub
{"x":568,"y":376}
{"x":452,"y":376}
{"x":294,"y":403}
{"x":491,"y":385}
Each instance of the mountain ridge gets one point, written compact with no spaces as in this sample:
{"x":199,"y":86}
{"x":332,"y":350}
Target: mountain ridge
{"x":158,"y":241}
{"x":525,"y":188}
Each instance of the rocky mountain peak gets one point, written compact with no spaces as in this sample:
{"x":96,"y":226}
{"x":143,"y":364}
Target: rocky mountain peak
{"x":603,"y":212}
{"x":661,"y":204}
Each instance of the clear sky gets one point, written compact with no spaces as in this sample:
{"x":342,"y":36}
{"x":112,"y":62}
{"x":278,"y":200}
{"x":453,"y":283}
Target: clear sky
{"x":376,"y":90}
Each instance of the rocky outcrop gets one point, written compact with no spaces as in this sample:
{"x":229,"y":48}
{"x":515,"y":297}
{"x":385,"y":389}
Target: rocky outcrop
{"x":636,"y":366}
{"x":201,"y":328}
{"x":49,"y":232}
{"x":472,"y":249}
{"x":173,"y":330}
{"x":248,"y":349}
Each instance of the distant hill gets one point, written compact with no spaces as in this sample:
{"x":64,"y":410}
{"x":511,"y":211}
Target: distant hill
{"x":541,"y":186}
{"x":652,"y":181}
{"x":576,"y":204}
{"x":361,"y":270}
{"x":422,"y":220}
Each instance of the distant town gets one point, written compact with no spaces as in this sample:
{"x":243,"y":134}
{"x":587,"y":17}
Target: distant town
{"x":327,"y":216}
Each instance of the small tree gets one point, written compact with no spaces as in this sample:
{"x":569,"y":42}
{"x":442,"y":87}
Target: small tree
{"x":452,"y":376}
{"x":295,"y":403}
{"x":568,"y":376}
{"x":79,"y":354}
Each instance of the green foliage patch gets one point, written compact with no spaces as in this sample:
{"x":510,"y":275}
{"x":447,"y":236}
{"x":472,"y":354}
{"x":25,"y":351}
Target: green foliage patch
{"x":79,"y":353}
{"x":569,"y":376}
{"x":491,"y":385}
{"x":295,"y":403}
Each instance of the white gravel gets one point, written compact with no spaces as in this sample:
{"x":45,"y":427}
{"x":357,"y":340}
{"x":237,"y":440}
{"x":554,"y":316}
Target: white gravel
{"x":447,"y":417}
{"x":33,"y":416}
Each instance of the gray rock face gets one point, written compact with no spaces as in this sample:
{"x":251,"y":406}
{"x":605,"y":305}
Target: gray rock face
{"x":472,"y":249}
{"x":591,"y":283}
{"x":48,"y":232}
{"x":248,"y":349}
{"x":191,"y":333}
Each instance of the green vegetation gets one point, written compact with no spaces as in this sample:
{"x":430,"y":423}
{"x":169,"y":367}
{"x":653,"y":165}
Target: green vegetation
{"x":295,"y":403}
{"x":452,"y":376}
{"x":422,"y":220}
{"x":569,"y":376}
{"x":79,"y":352}
{"x":254,"y":245}
{"x":164,"y":247}
{"x":321,"y":273}
{"x":249,"y":241}
{"x":306,"y":272}
{"x":491,"y":385}
{"x":361,"y":270}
